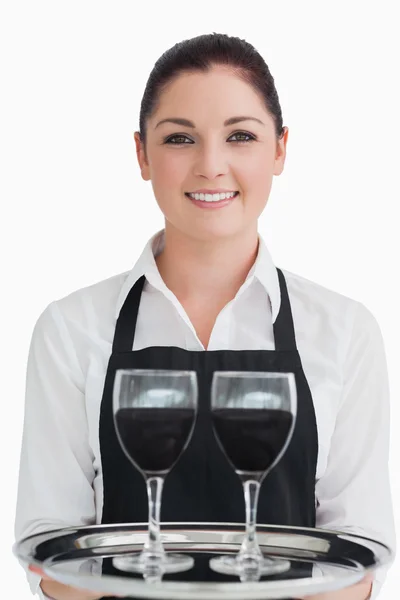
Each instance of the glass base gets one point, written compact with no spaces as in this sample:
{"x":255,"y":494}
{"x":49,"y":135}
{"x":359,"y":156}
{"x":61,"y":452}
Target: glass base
{"x":248,"y":569}
{"x":153,"y":567}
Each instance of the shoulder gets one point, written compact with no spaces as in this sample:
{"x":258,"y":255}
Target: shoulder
{"x":312,"y":293}
{"x":86,"y":315}
{"x":328,"y":313}
{"x":99,"y":298}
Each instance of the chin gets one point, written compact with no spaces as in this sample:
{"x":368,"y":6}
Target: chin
{"x":216,"y":232}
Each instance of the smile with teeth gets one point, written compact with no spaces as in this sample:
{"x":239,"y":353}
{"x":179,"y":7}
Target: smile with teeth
{"x":213,"y":197}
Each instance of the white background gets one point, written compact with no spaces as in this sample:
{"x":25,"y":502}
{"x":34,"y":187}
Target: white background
{"x":75,"y":209}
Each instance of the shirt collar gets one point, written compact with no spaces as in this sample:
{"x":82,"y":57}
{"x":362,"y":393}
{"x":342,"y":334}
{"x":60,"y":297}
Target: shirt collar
{"x":263,"y":270}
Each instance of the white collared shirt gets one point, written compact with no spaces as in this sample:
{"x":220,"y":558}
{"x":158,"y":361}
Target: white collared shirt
{"x":343,"y":357}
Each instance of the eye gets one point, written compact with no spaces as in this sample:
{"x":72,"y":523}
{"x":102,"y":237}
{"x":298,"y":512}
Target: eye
{"x":250,"y":138}
{"x":176,"y":137}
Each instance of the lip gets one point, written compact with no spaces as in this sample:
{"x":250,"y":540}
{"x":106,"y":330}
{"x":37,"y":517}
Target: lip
{"x":212,"y":205}
{"x":216,"y":191}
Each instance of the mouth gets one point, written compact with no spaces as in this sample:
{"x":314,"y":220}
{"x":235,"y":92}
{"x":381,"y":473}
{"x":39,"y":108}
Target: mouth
{"x":212,"y":198}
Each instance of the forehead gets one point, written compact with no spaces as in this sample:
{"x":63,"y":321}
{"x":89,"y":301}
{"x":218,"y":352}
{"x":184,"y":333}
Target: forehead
{"x":209,"y":97}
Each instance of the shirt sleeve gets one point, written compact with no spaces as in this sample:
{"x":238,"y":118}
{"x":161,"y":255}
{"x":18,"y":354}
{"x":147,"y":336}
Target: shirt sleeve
{"x":56,"y":463}
{"x":354,"y":494}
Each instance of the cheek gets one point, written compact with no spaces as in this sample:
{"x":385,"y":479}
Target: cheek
{"x":254,"y":168}
{"x":257,"y":169}
{"x":169,"y":168}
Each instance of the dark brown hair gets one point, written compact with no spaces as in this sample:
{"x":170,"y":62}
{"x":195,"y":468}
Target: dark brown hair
{"x":202,"y":53}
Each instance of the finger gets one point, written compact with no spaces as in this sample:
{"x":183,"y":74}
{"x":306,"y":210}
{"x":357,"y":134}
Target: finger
{"x":43,"y":575}
{"x":40,"y":572}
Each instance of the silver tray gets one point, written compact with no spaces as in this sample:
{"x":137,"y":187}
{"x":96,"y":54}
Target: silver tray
{"x":321,"y":560}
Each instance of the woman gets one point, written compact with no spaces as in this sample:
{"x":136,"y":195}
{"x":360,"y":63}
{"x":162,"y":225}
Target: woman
{"x":210,"y":124}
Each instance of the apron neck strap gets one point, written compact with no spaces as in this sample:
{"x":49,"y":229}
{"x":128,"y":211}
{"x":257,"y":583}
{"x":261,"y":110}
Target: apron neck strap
{"x":126,"y":323}
{"x":283,"y":327}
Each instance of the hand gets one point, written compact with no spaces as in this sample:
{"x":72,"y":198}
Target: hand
{"x":60,"y":591}
{"x":359,"y":591}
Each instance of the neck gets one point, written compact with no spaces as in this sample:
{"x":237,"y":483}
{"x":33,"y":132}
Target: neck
{"x":193,"y":268}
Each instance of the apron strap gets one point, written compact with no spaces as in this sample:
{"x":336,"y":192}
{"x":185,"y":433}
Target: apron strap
{"x":284,"y":335}
{"x":126,"y":323}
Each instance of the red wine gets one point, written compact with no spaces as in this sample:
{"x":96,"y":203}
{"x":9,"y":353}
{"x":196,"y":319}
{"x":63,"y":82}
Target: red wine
{"x":154,"y":438}
{"x":251,"y":438}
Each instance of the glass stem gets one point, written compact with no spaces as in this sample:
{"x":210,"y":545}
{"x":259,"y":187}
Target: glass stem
{"x":250,"y":545}
{"x":153,"y":543}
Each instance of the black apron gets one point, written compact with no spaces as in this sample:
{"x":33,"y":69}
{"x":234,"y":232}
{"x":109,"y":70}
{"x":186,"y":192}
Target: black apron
{"x":203,"y":486}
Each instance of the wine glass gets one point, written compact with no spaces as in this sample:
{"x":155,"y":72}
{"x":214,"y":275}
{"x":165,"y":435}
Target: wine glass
{"x":154,"y":416}
{"x":253,"y":415}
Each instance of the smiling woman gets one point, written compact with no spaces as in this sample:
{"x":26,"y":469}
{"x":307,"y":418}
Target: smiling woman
{"x":205,"y":296}
{"x":208,"y":92}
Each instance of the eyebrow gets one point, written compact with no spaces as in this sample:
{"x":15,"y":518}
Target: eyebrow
{"x":187,"y":123}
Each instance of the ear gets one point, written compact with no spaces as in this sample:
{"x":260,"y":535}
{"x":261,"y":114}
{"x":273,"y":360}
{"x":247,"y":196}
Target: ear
{"x":141,"y":156}
{"x":280,"y":154}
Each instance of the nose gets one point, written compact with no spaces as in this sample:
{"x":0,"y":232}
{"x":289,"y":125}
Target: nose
{"x":211,"y":161}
